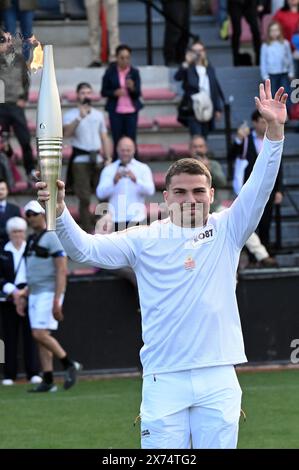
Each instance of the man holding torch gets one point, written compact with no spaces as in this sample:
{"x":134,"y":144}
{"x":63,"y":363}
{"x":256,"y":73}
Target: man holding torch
{"x":186,"y":272}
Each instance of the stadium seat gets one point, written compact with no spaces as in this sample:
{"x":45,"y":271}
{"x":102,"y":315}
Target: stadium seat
{"x":19,"y":187}
{"x":159,"y":180}
{"x":148,"y":152}
{"x":167,"y":121}
{"x":179,"y":150}
{"x":145,"y":122}
{"x":33,"y":96}
{"x":158,"y":94}
{"x":84,"y":271}
{"x":31,"y":126}
{"x":66,"y":151}
{"x":265,"y":23}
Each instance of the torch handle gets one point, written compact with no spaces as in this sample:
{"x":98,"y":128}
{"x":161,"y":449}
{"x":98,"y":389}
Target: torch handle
{"x":50,"y":159}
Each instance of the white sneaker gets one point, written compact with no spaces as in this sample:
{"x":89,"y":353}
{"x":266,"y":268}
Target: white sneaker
{"x":7,"y":382}
{"x":36,"y":379}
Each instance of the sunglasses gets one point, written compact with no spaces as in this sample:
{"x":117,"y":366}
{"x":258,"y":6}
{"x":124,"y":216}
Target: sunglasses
{"x":30,"y":213}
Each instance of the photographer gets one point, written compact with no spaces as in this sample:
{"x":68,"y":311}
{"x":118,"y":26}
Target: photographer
{"x":201,"y":102}
{"x":121,"y":85}
{"x":91,"y":150}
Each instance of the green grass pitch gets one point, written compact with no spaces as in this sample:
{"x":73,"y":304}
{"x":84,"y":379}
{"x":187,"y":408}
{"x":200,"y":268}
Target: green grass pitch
{"x":101,"y":413}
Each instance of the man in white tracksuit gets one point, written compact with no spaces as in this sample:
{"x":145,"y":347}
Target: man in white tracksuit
{"x":186,"y":276}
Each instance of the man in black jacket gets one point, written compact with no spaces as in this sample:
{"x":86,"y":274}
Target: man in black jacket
{"x":14,"y":81}
{"x":7,"y":210}
{"x":246,"y":147}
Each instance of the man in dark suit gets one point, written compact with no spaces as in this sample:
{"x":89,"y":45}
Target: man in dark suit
{"x":247,"y":146}
{"x":7,"y":210}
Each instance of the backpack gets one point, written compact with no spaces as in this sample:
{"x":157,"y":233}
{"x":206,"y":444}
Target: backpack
{"x":202,"y":106}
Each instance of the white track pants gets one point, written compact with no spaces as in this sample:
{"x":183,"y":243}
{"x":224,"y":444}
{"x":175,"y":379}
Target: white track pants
{"x":197,"y":408}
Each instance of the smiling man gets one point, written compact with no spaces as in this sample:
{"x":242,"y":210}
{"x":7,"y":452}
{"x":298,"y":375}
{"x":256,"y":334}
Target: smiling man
{"x":186,"y":273}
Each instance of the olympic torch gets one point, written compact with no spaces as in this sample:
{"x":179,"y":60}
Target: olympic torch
{"x":49,"y":133}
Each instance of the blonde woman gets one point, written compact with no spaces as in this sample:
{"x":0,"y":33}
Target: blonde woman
{"x":276,"y":58}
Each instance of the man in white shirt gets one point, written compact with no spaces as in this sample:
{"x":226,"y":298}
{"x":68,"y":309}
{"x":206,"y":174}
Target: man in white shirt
{"x":91,"y":150}
{"x":126,"y":183}
{"x":186,"y":273}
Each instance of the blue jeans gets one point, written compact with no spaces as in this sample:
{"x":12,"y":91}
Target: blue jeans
{"x":123,"y":125}
{"x":198,"y":128}
{"x":278,"y":80}
{"x":222,"y":12}
{"x":10,"y":17}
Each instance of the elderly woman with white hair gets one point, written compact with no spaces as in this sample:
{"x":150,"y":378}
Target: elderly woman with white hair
{"x":14,"y":317}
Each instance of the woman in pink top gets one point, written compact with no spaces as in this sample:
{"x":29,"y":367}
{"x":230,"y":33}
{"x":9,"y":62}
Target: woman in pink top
{"x":122,"y":87}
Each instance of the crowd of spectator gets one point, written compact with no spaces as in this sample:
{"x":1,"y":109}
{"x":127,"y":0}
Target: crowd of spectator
{"x":110,"y":168}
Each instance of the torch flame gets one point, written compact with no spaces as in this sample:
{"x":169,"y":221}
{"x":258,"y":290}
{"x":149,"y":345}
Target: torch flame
{"x":37,"y":60}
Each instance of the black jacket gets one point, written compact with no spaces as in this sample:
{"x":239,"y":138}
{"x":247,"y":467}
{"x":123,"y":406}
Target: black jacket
{"x":111,"y":83}
{"x":7,"y":272}
{"x":11,"y":210}
{"x":190,"y":79}
{"x":251,"y":156}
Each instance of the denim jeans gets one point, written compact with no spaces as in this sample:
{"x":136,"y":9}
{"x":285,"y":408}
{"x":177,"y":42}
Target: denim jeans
{"x":25,"y":18}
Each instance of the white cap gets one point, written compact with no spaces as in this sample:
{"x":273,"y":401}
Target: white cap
{"x":34,"y":206}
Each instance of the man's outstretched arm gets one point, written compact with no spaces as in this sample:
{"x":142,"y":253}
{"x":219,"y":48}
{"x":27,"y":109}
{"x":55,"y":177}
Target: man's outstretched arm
{"x":105,"y":251}
{"x":248,"y":208}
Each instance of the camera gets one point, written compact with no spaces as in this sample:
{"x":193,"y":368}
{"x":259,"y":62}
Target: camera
{"x":87,"y":101}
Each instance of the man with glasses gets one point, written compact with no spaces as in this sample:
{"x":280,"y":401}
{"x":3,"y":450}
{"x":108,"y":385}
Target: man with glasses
{"x":46,"y":264}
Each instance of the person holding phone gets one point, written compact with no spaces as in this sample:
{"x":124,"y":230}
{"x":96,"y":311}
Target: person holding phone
{"x":122,"y":88}
{"x":198,"y":76}
{"x":86,"y":127}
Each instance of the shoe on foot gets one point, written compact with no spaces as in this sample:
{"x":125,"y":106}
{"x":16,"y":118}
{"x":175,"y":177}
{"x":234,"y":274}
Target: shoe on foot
{"x":95,"y":63}
{"x":43,"y":387}
{"x":71,"y":374}
{"x":268,"y":262}
{"x":7,"y":382}
{"x":35,"y":379}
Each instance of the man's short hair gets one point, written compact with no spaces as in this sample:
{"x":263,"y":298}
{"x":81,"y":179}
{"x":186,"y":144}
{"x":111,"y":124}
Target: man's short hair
{"x":122,"y":47}
{"x":191,"y":166}
{"x":83,"y":85}
{"x":2,"y":180}
{"x":256,"y":115}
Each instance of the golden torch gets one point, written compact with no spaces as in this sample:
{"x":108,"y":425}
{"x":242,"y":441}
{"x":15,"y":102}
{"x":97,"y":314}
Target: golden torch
{"x":49,"y":133}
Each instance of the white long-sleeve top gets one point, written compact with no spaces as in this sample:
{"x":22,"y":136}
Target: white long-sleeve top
{"x":126,"y":198}
{"x":186,"y":277}
{"x":276,"y":57}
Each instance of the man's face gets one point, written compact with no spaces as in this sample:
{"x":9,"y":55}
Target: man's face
{"x":125,"y":150}
{"x":35,"y":221}
{"x":260,"y":126}
{"x":189,"y":198}
{"x":84,"y":93}
{"x":3,"y":191}
{"x":198,"y":147}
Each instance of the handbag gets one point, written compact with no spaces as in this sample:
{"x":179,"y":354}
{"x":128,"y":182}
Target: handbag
{"x":202,"y":106}
{"x":185,"y":108}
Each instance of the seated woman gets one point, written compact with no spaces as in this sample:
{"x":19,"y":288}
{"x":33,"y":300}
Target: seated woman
{"x":198,"y":76}
{"x":13,"y":304}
